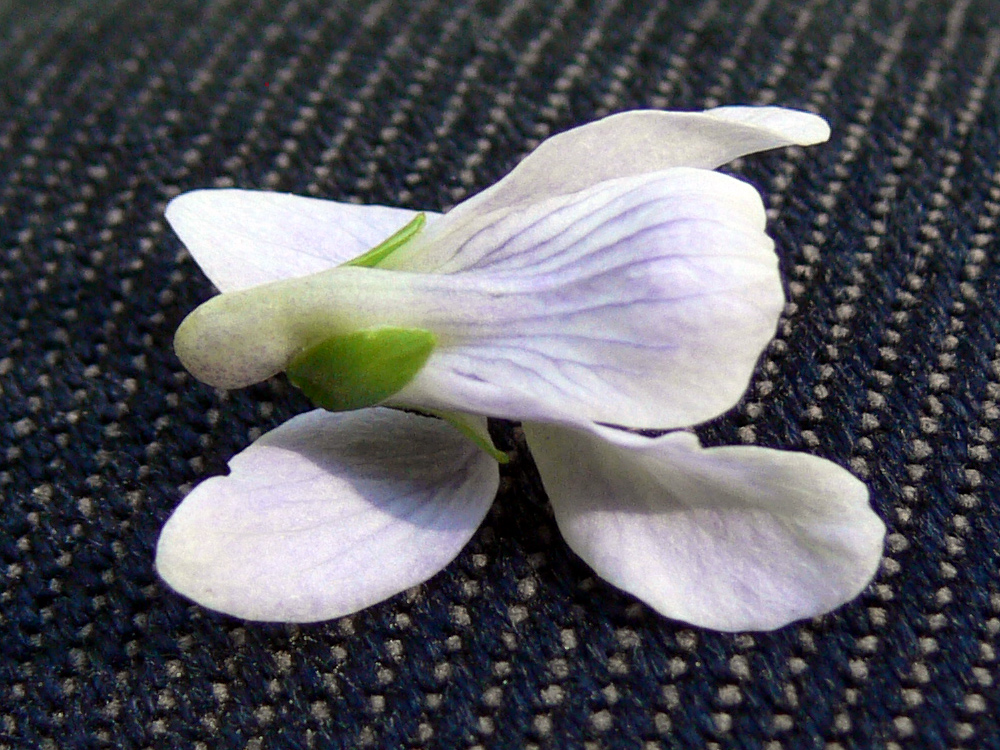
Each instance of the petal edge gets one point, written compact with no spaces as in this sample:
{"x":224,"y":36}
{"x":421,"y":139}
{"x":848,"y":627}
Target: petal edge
{"x":328,"y":514}
{"x":641,"y":141}
{"x":735,"y":538}
{"x":244,"y":238}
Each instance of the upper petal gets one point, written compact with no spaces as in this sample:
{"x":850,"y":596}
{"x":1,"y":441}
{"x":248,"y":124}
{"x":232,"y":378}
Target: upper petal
{"x":328,"y":514}
{"x":622,"y":145}
{"x":735,"y":538}
{"x":243,"y":238}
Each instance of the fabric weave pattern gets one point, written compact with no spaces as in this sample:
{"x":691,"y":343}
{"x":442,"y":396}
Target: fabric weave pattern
{"x":887,"y":361}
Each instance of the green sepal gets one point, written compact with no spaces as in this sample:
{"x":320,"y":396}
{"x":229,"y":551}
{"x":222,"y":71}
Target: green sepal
{"x":380,"y":252}
{"x":467,"y":427}
{"x":360,"y":369}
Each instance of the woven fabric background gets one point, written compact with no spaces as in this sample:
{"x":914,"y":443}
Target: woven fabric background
{"x":887,"y":361}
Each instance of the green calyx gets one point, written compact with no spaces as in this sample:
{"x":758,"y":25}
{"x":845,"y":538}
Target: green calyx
{"x":362,"y":368}
{"x":468,"y":427}
{"x":383,"y":250}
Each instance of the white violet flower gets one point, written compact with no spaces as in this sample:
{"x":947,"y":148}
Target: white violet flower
{"x":612,"y":278}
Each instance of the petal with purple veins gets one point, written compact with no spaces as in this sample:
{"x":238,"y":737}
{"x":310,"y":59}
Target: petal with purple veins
{"x":734,"y":538}
{"x":627,"y":144}
{"x":615,"y":304}
{"x":328,"y":514}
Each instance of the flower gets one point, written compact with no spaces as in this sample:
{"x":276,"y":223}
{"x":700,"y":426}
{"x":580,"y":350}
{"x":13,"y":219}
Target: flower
{"x":612,"y":278}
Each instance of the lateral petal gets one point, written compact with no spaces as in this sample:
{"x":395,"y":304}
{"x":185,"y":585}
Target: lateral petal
{"x":244,"y":238}
{"x":643,"y":302}
{"x":328,"y":514}
{"x":734,"y":538}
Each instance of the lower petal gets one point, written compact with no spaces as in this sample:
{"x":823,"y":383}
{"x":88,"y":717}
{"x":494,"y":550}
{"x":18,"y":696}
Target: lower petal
{"x":733,"y":538}
{"x":328,"y":514}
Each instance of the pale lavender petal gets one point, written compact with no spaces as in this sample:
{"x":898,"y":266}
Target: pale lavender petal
{"x":328,"y":514}
{"x":622,"y":145}
{"x":643,"y":302}
{"x":735,"y":538}
{"x":243,"y":238}
{"x":616,"y":304}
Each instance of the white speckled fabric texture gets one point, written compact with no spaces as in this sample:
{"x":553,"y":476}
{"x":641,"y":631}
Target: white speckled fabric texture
{"x":887,"y":361}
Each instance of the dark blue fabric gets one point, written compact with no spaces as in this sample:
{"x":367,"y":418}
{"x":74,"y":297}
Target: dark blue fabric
{"x":887,"y":362}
